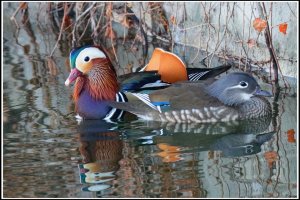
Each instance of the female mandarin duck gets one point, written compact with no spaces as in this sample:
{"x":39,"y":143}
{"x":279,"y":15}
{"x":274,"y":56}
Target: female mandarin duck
{"x":96,"y":83}
{"x":235,"y":96}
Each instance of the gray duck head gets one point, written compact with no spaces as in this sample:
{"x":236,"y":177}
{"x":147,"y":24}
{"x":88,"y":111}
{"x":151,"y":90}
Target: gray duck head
{"x":236,"y":88}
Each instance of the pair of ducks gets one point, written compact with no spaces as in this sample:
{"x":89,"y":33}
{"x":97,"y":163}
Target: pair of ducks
{"x":183,"y":94}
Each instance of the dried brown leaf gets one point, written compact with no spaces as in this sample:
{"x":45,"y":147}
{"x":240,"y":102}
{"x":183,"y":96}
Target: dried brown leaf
{"x":283,"y":28}
{"x":259,"y":24}
{"x":125,"y":22}
{"x":251,"y":43}
{"x":23,"y":5}
{"x":173,"y":20}
{"x":110,"y":33}
{"x":291,"y":136}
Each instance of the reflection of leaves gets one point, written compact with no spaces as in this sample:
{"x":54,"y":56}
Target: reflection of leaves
{"x":167,"y":147}
{"x":35,"y":81}
{"x":52,"y":66}
{"x":291,"y":136}
{"x":271,"y":156}
{"x":169,"y":156}
{"x":169,"y":153}
{"x":259,"y":24}
{"x":26,"y":49}
{"x":283,"y":28}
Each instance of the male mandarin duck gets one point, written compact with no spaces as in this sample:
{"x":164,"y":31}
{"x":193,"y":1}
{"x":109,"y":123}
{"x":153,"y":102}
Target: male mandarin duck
{"x":97,"y":84}
{"x":235,"y":96}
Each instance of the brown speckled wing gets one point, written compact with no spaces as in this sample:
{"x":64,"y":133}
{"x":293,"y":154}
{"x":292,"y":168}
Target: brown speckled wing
{"x":186,"y":95}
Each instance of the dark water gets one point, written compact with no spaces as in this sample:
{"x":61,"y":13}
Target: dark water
{"x":46,"y":153}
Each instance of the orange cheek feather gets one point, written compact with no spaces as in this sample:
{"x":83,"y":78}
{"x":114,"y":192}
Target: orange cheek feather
{"x":84,"y":67}
{"x":169,"y":66}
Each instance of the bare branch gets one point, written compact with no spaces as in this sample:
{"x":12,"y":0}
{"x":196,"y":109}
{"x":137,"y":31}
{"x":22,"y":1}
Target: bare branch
{"x":61,"y":28}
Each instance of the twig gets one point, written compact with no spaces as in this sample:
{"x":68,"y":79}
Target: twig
{"x":76,"y":23}
{"x":198,"y":49}
{"x":61,"y":28}
{"x":173,"y":28}
{"x":94,"y":34}
{"x":147,"y":11}
{"x":161,"y":38}
{"x":196,"y":26}
{"x":208,"y":36}
{"x":112,"y":44}
{"x":145,"y":44}
{"x":86,"y":11}
{"x":224,"y":33}
{"x":111,"y":39}
{"x":207,"y":15}
{"x":13,"y":17}
{"x":272,"y":52}
{"x":87,"y":25}
{"x":184,"y":20}
{"x":243,"y":36}
{"x":238,"y":36}
{"x":124,"y":28}
{"x":16,"y":23}
{"x":16,"y":12}
{"x":291,"y":10}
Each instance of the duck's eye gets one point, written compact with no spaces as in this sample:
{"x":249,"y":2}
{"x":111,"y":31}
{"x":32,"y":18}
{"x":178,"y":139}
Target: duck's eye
{"x":87,"y":59}
{"x":243,"y":84}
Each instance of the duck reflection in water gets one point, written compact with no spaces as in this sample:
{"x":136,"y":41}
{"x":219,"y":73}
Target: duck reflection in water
{"x":101,"y":150}
{"x":171,"y":151}
{"x":238,"y":138}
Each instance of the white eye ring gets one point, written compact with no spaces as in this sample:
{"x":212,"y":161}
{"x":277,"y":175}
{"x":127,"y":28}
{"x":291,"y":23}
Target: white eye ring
{"x":243,"y":84}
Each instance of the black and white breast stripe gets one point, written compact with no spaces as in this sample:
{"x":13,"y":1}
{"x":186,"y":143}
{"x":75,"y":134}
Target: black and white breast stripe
{"x":197,"y":76}
{"x":117,"y":113}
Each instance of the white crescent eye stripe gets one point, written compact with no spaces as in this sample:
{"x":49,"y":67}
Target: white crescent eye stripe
{"x":238,"y":86}
{"x":234,"y":87}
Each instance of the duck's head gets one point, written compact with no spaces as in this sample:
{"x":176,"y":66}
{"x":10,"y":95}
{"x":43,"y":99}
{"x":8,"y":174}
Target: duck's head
{"x":236,"y":88}
{"x":82,"y":60}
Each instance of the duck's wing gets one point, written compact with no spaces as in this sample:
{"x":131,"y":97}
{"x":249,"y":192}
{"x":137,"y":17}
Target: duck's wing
{"x":185,"y":95}
{"x":195,"y":74}
{"x":136,"y":80}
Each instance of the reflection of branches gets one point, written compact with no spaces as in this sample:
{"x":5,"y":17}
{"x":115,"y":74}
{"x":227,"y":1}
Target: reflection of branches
{"x":13,"y":17}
